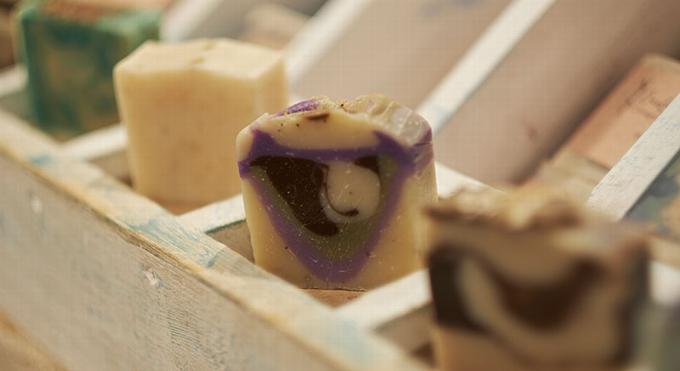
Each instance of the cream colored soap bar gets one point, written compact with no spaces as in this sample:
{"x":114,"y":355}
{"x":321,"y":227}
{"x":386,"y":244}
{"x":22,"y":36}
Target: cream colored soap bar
{"x":333,"y":191}
{"x":183,"y":105}
{"x":529,"y":281}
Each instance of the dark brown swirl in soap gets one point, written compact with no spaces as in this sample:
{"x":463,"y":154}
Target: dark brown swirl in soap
{"x":543,"y":307}
{"x":300,"y":182}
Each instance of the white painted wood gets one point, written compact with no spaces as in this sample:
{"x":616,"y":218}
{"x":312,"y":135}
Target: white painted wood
{"x":12,"y":79}
{"x":401,"y":48}
{"x":550,"y":81}
{"x":450,"y":181}
{"x":17,"y":353}
{"x":400,"y":310}
{"x":216,"y":215}
{"x":480,"y":60}
{"x":98,"y":143}
{"x":644,"y":161}
{"x":665,"y":283}
{"x":320,"y":33}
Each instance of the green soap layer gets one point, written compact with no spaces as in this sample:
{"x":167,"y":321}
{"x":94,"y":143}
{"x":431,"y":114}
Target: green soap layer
{"x":70,"y":62}
{"x":352,"y":236}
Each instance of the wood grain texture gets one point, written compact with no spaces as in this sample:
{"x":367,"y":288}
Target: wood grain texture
{"x":550,"y":81}
{"x":629,"y":109}
{"x":637,"y":169}
{"x":129,"y":287}
{"x":17,"y":353}
{"x":400,"y":311}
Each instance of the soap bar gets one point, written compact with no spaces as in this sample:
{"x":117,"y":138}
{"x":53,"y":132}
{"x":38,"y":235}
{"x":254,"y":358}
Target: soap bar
{"x":69,"y":50}
{"x":333,"y":191}
{"x":531,"y":281}
{"x":627,"y":111}
{"x":183,"y":105}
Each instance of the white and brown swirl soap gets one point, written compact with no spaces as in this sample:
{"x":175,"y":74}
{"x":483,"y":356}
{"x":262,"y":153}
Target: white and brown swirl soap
{"x":531,"y":281}
{"x":333,"y":191}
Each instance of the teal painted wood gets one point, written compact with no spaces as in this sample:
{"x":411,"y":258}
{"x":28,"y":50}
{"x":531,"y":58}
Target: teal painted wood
{"x":70,"y":52}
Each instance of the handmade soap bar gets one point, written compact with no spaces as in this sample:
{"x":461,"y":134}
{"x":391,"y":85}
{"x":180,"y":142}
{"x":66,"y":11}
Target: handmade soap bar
{"x":333,"y":191}
{"x":530,"y":281}
{"x":69,"y":50}
{"x":183,"y":105}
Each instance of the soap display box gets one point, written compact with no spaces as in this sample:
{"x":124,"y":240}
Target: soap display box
{"x":185,"y":283}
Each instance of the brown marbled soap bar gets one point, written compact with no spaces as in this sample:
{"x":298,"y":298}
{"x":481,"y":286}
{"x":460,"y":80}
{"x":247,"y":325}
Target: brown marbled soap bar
{"x":531,"y":281}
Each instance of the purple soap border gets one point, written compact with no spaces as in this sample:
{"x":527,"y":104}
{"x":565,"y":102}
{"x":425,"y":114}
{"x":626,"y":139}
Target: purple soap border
{"x":410,"y":160}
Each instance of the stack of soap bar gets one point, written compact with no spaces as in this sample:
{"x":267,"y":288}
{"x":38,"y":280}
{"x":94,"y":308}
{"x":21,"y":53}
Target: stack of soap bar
{"x":183,"y":105}
{"x":531,"y":281}
{"x":333,"y":191}
{"x":69,"y":49}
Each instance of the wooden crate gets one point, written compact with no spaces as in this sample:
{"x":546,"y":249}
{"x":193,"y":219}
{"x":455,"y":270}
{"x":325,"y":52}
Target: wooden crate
{"x":101,"y":278}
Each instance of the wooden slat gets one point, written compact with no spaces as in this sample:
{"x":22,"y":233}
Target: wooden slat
{"x":319,"y":35}
{"x":392,"y":47}
{"x":632,"y":175}
{"x":97,"y":143}
{"x":400,"y":311}
{"x":17,"y":353}
{"x":480,"y":60}
{"x":549,"y":82}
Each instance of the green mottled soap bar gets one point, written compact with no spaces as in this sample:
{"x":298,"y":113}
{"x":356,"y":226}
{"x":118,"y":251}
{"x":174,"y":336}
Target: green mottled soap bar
{"x":69,"y":50}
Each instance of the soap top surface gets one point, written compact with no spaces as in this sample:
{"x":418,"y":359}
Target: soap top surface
{"x":229,"y":58}
{"x":541,"y":213}
{"x":321,"y":123}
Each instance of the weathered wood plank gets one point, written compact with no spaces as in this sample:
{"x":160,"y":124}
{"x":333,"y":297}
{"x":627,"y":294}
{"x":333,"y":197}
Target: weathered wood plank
{"x":17,"y":353}
{"x":481,"y":59}
{"x":320,"y":33}
{"x":632,"y":175}
{"x":389,"y":46}
{"x":535,"y":96}
{"x":400,"y":311}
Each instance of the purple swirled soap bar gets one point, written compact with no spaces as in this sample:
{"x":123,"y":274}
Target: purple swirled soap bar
{"x":333,"y":191}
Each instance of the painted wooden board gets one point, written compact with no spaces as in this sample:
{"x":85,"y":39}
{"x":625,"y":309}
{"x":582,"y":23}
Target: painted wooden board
{"x":129,"y":287}
{"x":531,"y":101}
{"x":17,"y":353}
{"x":629,"y":109}
{"x":631,"y":177}
{"x":470,"y":71}
{"x":401,"y":48}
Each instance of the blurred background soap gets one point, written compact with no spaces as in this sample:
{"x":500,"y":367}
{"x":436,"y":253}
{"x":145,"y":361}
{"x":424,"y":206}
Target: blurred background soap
{"x":69,"y":49}
{"x":531,"y":281}
{"x":183,"y":105}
